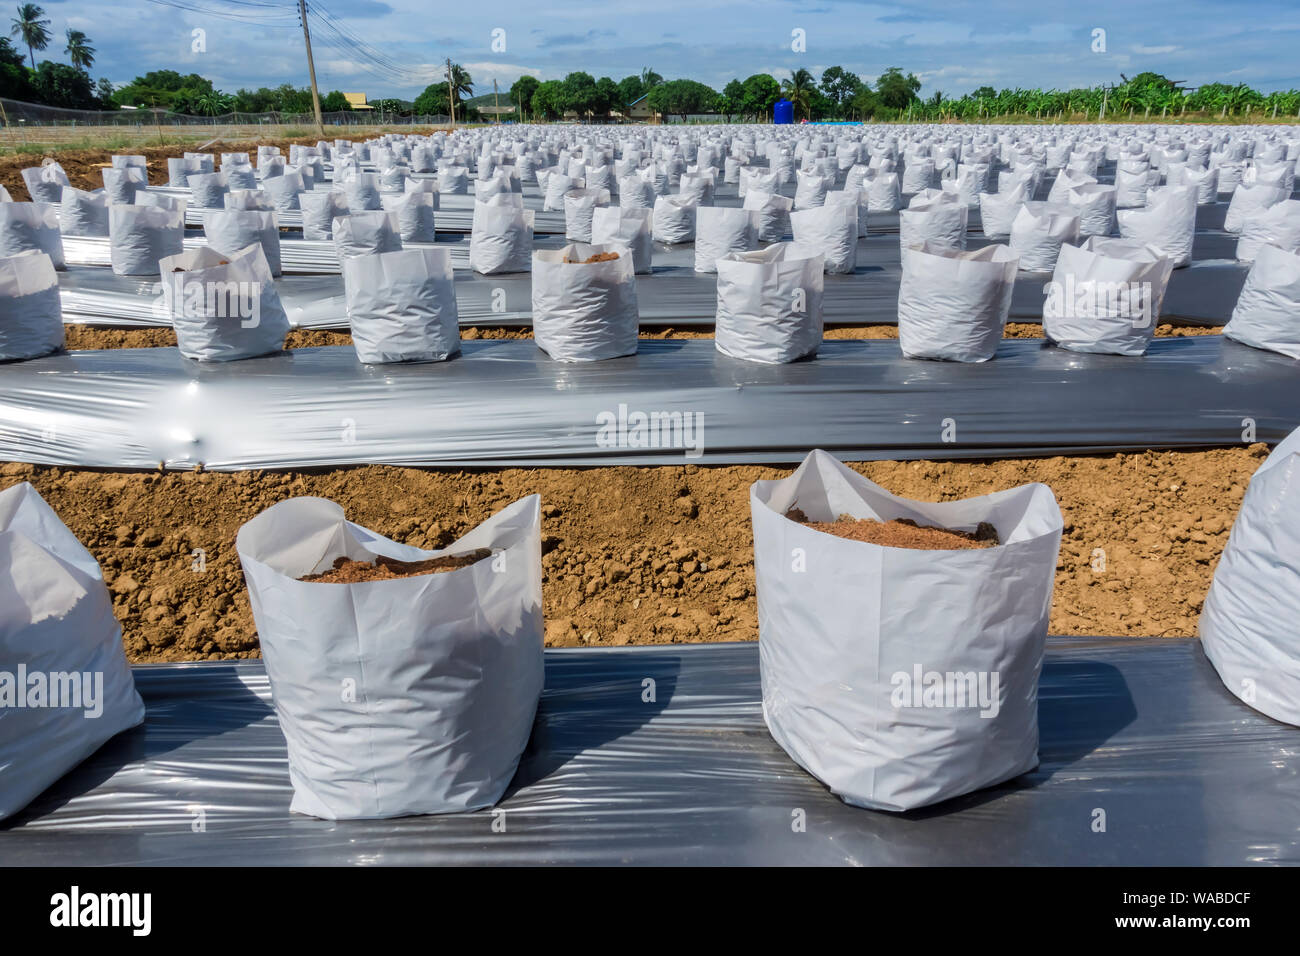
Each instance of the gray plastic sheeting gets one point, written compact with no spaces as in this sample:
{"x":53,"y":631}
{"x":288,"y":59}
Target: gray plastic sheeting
{"x":1186,"y":773}
{"x":675,"y":294}
{"x":503,"y":402}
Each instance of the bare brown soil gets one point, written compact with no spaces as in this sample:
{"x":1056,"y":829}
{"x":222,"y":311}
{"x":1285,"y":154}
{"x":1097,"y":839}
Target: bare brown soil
{"x":84,"y":166}
{"x":902,"y":533}
{"x":598,"y":257}
{"x":88,"y":337}
{"x":348,"y":571}
{"x":639,"y":555}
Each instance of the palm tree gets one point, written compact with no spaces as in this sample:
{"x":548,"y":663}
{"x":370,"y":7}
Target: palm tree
{"x":798,"y":90}
{"x":30,"y":25}
{"x":79,"y":50}
{"x":460,"y":83}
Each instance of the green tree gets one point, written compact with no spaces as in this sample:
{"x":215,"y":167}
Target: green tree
{"x":335,"y":102}
{"x":580,"y":93}
{"x":896,"y":90}
{"x":462,"y":84}
{"x":79,"y":50}
{"x":649,"y":79}
{"x":15,"y":79}
{"x":104,"y":90}
{"x":32,"y":27}
{"x":606,"y":95}
{"x":839,"y":86}
{"x":682,"y":98}
{"x":865,"y":102}
{"x":798,"y":89}
{"x":761,"y":91}
{"x":58,"y":84}
{"x":549,"y":99}
{"x":630,"y":89}
{"x":732,"y":99}
{"x":433,"y":101}
{"x":521,"y":93}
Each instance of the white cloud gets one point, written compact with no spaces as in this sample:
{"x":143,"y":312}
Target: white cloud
{"x":1153,"y":50}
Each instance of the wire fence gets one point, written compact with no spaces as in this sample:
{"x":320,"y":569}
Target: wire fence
{"x":31,"y":124}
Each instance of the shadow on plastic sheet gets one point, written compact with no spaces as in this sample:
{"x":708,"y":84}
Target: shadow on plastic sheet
{"x":590,"y":701}
{"x":216,"y":704}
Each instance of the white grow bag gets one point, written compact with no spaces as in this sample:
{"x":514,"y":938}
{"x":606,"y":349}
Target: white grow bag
{"x":1267,"y":314}
{"x":224,"y":306}
{"x":953,"y":304}
{"x":1248,"y":624}
{"x":31,"y":313}
{"x":57,"y":628}
{"x":401,"y":306}
{"x":849,"y":629}
{"x":770,"y":304}
{"x":584,"y":312}
{"x":1105,"y":297}
{"x":409,"y":696}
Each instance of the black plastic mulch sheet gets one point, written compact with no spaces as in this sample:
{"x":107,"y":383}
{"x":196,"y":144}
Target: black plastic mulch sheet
{"x":505,"y":403}
{"x":1203,"y":293}
{"x":1137,"y":733}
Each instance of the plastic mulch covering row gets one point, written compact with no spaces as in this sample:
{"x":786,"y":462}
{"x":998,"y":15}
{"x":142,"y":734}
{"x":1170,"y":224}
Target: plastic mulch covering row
{"x":504,"y":402}
{"x":1141,"y":729}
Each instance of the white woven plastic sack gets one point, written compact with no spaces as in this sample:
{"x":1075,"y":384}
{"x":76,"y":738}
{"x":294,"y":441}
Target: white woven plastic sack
{"x":811,"y":190}
{"x":1105,"y":297}
{"x":366,"y":233}
{"x":224,"y":307}
{"x":501,"y":238}
{"x":952,"y":304}
{"x":629,"y":226}
{"x":362,"y":193}
{"x":251,"y":199}
{"x":283,"y":191}
{"x":830,"y":231}
{"x":31,"y":227}
{"x":556,"y":188}
{"x":771,"y":214}
{"x":754,"y":178}
{"x":1248,"y":623}
{"x":1130,"y":189}
{"x":584,"y":312}
{"x":229,"y":230}
{"x":83,"y":213}
{"x":938,"y":218}
{"x":770,"y":304}
{"x":443,"y":671}
{"x":1094,"y":204}
{"x":1168,"y":222}
{"x":1267,"y":314}
{"x":45,"y":182}
{"x":998,"y":210}
{"x":1038,"y":231}
{"x":1278,"y":225}
{"x":901,"y":678}
{"x":883,"y":193}
{"x":579,"y":207}
{"x":320,"y":208}
{"x":918,"y":174}
{"x":1248,"y":202}
{"x":141,"y":236}
{"x":720,"y":231}
{"x":208,"y":190}
{"x":31,"y":314}
{"x":401,"y":306}
{"x":674,"y":220}
{"x":123,"y":184}
{"x":60,"y":652}
{"x":415,"y":217}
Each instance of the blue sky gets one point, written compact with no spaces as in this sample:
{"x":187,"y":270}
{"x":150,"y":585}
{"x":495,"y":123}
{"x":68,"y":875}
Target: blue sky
{"x":952,"y":46}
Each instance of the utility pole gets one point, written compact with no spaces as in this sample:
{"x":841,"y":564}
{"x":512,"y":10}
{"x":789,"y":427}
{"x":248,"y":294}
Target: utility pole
{"x":311,"y":66}
{"x":451,"y":94}
{"x":496,"y":99}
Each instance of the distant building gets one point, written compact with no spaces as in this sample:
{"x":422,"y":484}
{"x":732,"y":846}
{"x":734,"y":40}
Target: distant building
{"x":640,"y":112}
{"x":357,"y":101}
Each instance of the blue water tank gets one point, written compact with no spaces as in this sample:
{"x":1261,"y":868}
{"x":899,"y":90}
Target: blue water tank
{"x":783,"y":112}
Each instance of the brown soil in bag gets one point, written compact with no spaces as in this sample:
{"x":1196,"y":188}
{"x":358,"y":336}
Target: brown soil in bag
{"x":902,"y":533}
{"x":598,"y":257}
{"x":348,"y":571}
